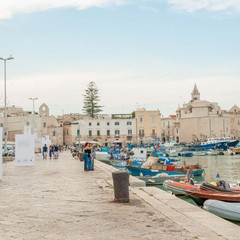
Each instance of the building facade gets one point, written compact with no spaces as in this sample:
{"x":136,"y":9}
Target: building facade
{"x":41,"y":123}
{"x":199,"y":119}
{"x":168,"y":129}
{"x":106,"y":129}
{"x":148,"y":125}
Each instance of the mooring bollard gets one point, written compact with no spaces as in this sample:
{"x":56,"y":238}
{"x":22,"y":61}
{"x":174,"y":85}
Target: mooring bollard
{"x":121,"y":186}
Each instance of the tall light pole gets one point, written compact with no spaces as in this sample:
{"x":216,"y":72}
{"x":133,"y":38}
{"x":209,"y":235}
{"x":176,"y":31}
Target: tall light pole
{"x":5,"y":131}
{"x":79,"y":135}
{"x":33,"y":113}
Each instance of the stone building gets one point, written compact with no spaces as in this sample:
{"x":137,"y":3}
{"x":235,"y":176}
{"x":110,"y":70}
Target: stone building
{"x":44,"y":123}
{"x":148,"y":125}
{"x":168,"y":129}
{"x":199,"y":119}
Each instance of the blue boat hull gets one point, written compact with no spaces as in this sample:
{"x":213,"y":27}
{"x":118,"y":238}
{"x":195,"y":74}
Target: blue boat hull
{"x":138,"y":171}
{"x":220,"y":145}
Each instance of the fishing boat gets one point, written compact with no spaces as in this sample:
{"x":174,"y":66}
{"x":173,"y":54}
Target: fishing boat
{"x":216,"y":143}
{"x":227,"y":210}
{"x":185,"y":154}
{"x":170,"y":170}
{"x":178,"y":188}
{"x":199,"y":153}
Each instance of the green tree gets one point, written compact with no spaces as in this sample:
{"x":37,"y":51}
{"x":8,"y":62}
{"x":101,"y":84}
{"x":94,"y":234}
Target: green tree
{"x":91,"y":100}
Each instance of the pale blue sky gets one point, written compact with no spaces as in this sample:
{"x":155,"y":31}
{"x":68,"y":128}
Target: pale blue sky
{"x":140,"y":53}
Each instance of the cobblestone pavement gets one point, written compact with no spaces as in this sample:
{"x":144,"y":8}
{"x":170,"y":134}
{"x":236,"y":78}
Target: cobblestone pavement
{"x":56,"y":199}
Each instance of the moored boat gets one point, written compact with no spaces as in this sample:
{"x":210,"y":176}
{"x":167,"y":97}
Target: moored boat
{"x":227,"y":210}
{"x":161,"y":178}
{"x":199,"y":196}
{"x":216,"y":143}
{"x":178,"y":188}
{"x":170,"y":170}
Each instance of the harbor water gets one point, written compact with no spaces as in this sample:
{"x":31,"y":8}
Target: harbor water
{"x":227,"y":166}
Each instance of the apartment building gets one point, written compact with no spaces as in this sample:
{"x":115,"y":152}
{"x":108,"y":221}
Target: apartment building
{"x":105,"y":129}
{"x":148,"y":124}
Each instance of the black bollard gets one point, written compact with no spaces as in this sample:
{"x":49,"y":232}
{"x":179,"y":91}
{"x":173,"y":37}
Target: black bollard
{"x":121,"y":186}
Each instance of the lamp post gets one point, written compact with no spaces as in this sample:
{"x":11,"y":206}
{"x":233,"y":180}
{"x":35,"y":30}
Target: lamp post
{"x":5,"y":132}
{"x":33,"y":99}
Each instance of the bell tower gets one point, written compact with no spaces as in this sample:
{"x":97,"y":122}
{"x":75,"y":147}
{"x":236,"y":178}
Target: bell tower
{"x":44,"y":110}
{"x":195,"y":94}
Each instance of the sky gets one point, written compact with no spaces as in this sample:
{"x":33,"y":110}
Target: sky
{"x":140,"y":53}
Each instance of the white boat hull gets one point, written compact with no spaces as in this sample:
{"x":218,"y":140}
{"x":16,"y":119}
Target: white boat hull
{"x":227,"y":210}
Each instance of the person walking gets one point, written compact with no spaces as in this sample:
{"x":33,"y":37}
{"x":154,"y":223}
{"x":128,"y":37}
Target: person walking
{"x":56,"y":151}
{"x":86,"y":152}
{"x":45,"y":150}
{"x":51,"y":152}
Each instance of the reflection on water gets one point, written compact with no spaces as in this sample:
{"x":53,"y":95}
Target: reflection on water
{"x":227,"y":166}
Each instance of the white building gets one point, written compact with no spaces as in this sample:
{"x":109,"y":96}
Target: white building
{"x":107,"y":129}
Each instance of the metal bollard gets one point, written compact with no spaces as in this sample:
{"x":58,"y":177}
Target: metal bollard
{"x":121,"y":186}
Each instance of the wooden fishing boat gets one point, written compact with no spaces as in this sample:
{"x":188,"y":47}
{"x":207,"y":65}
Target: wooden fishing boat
{"x":178,"y":188}
{"x":227,"y":210}
{"x":170,"y":170}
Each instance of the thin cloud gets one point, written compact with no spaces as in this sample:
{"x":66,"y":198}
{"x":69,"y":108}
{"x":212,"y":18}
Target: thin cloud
{"x":8,"y":8}
{"x":209,"y":5}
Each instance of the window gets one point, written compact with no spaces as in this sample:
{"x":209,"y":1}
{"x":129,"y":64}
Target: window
{"x":27,"y":123}
{"x":141,"y":132}
{"x":89,"y":124}
{"x":153,"y":119}
{"x":129,"y":123}
{"x":117,"y":133}
{"x":117,"y":124}
{"x":129,"y":132}
{"x":108,"y":123}
{"x":44,"y":124}
{"x":54,"y":133}
{"x":78,"y":132}
{"x":108,"y":133}
{"x":98,"y":124}
{"x":90,"y":133}
{"x":98,"y":133}
{"x":141,"y":119}
{"x":153,"y":132}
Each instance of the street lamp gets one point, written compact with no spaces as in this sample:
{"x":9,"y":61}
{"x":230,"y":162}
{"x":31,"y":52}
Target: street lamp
{"x":5,"y":132}
{"x":79,"y":135}
{"x":33,"y":99}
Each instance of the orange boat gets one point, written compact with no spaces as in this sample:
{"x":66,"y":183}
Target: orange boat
{"x":178,"y":188}
{"x":199,"y":195}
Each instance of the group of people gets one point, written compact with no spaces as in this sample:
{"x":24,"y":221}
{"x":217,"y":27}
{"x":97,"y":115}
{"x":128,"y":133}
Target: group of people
{"x":88,"y":157}
{"x":53,"y":152}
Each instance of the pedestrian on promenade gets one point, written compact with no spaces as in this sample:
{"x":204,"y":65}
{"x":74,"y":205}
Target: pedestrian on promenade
{"x":51,"y":152}
{"x":87,"y":156}
{"x":56,"y":151}
{"x":45,"y":150}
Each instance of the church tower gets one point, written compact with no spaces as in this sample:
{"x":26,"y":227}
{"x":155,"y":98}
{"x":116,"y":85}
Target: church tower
{"x":195,"y":94}
{"x":43,"y":110}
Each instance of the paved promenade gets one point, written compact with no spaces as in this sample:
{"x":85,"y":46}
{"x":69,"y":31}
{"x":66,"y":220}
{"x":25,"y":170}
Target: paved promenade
{"x":56,"y":199}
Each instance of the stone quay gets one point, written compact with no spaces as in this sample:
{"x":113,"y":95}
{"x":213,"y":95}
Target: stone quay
{"x":57,"y":199}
